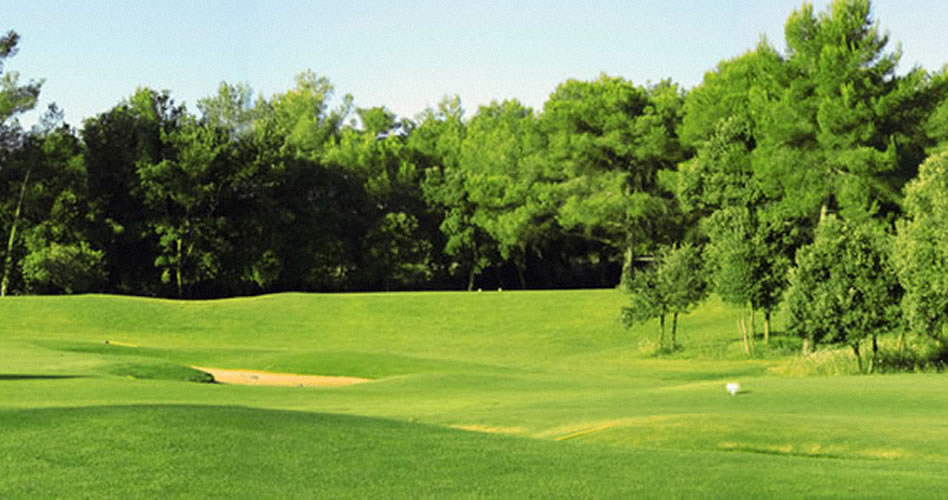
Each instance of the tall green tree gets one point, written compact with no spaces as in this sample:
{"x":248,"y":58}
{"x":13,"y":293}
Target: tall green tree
{"x":248,"y":207}
{"x":731,"y":267}
{"x":921,"y":250}
{"x":735,"y":90}
{"x":302,"y":117}
{"x":842,"y":135}
{"x":397,"y":251}
{"x":58,"y":255}
{"x":134,"y":133}
{"x":439,"y":138}
{"x":502,"y":162}
{"x":184,"y":193}
{"x":52,"y":210}
{"x":310,"y":216}
{"x":751,"y":239}
{"x":672,"y":284}
{"x":784,"y":140}
{"x":15,"y":98}
{"x":607,"y":140}
{"x":844,"y":288}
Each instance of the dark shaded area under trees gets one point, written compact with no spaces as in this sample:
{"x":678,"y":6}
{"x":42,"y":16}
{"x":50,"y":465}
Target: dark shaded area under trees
{"x":780,"y":176}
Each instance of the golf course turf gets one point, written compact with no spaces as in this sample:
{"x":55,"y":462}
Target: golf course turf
{"x":512,"y":394}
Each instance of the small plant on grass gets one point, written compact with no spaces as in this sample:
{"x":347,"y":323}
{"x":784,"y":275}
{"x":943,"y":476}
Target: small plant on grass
{"x":919,"y":355}
{"x":672,"y":284}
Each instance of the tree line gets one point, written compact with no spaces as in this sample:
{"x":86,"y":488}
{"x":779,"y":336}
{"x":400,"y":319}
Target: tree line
{"x":809,"y":178}
{"x":254,"y":194}
{"x":818,"y":183}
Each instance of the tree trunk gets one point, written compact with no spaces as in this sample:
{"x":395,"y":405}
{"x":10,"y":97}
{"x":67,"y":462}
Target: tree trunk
{"x":747,"y":330}
{"x":806,"y":345}
{"x":767,"y":327}
{"x":750,"y":328}
{"x":603,"y":272}
{"x":470,"y":276}
{"x":858,"y":356}
{"x":875,"y":352}
{"x":742,"y":326}
{"x":661,"y":323}
{"x":674,"y":329}
{"x":177,"y":271}
{"x":470,"y":279}
{"x":626,"y":265}
{"x":8,"y":258}
{"x":901,"y":341}
{"x":521,"y":276}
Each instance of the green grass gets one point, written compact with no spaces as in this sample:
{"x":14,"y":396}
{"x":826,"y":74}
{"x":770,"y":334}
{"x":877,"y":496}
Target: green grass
{"x":513,"y":394}
{"x":181,"y":451}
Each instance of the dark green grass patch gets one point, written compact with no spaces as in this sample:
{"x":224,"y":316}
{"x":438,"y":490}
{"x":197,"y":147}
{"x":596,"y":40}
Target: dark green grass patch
{"x":157,"y":370}
{"x":135,"y":362}
{"x":27,"y":376}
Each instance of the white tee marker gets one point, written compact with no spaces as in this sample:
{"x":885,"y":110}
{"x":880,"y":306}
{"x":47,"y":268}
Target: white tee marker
{"x":733,"y":388}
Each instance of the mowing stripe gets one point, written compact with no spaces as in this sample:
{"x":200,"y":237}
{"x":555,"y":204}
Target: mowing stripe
{"x":584,"y":432}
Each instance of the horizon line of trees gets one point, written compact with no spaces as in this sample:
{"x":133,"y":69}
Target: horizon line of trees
{"x":810,"y":179}
{"x":252,"y":194}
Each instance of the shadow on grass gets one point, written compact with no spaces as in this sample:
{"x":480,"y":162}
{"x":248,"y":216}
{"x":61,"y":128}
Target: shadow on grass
{"x":764,"y":451}
{"x":14,"y":377}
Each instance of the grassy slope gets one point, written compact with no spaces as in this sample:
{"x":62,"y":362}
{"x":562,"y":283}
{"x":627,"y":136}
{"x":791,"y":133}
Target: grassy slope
{"x":546,"y":365}
{"x":175,"y":451}
{"x":510,"y":329}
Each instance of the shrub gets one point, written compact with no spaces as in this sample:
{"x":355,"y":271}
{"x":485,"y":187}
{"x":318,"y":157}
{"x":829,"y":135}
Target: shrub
{"x":68,"y":268}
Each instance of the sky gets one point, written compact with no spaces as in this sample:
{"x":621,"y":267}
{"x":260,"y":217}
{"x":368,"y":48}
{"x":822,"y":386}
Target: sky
{"x":403,"y":54}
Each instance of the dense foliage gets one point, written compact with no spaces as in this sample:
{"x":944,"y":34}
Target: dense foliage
{"x":672,"y":284}
{"x":773,"y":170}
{"x":255,"y":195}
{"x":921,"y":250}
{"x":844,"y":288}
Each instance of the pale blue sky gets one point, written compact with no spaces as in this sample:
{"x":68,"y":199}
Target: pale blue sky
{"x":403,"y":54}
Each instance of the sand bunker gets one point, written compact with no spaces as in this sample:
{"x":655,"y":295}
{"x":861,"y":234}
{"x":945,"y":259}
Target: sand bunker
{"x":253,"y":377}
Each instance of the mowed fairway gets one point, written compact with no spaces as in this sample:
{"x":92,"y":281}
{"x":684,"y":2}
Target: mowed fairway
{"x":510,"y":394}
